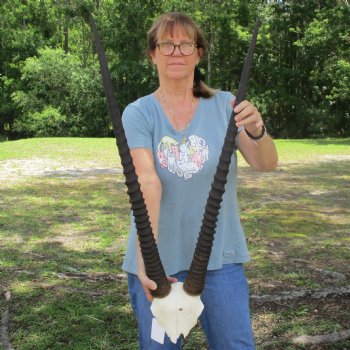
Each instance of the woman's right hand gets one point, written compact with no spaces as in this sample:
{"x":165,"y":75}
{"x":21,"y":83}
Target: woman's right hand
{"x":148,"y":285}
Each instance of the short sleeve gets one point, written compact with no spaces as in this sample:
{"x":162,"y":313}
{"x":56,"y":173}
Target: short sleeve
{"x":137,"y":128}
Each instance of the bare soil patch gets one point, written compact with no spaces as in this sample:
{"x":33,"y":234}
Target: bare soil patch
{"x":15,"y":169}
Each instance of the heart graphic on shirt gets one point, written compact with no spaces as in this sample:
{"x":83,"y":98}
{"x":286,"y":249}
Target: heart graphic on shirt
{"x":183,"y":159}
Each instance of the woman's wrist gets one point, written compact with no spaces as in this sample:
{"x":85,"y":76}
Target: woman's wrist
{"x":258,"y":136}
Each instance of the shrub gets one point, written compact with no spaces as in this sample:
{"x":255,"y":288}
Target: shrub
{"x":48,"y":122}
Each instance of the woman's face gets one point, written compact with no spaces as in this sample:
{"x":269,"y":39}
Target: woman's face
{"x":176,"y":66}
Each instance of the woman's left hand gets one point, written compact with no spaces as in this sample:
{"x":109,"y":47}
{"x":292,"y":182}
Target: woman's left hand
{"x":249,"y":117}
{"x":261,"y":155}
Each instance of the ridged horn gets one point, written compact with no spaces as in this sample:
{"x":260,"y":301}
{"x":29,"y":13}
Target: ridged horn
{"x":195,"y":280}
{"x":149,"y":250}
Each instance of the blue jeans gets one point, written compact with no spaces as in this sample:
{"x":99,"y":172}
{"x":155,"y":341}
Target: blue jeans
{"x":225,"y":318}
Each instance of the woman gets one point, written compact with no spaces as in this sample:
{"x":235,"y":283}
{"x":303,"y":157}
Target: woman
{"x":175,"y":136}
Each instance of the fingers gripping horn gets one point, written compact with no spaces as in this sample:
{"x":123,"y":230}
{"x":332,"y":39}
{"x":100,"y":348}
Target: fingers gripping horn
{"x":149,"y":250}
{"x":195,"y":281}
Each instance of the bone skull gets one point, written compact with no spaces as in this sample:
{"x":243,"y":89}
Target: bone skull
{"x":178,"y":312}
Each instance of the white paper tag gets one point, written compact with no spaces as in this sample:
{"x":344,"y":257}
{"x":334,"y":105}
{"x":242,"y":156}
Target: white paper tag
{"x":157,"y":332}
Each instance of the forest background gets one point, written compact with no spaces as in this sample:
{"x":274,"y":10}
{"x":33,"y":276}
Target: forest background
{"x":50,"y":83}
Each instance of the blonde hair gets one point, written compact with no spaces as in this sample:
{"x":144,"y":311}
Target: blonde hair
{"x":166,"y":24}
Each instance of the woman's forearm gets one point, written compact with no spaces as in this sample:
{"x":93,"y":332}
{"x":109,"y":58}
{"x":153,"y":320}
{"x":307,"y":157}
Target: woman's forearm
{"x":260,"y":154}
{"x":152,"y":193}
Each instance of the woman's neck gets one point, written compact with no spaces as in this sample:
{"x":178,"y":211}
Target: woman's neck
{"x":178,"y":103}
{"x":176,"y":90}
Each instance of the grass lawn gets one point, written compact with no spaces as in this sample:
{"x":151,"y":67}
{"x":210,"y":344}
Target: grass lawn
{"x":64,"y":219}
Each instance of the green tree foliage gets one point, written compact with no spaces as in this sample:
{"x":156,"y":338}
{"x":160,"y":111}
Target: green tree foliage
{"x":302,"y":43}
{"x":123,"y":26}
{"x":50,"y":82}
{"x":48,"y":122}
{"x":24,"y":27}
{"x":327,"y":45}
{"x":72,"y":92}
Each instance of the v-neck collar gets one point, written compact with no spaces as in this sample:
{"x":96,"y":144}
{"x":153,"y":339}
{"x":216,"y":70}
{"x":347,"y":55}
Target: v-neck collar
{"x":168,"y":122}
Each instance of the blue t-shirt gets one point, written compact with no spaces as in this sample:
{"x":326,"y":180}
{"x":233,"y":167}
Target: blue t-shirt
{"x":186,"y":170}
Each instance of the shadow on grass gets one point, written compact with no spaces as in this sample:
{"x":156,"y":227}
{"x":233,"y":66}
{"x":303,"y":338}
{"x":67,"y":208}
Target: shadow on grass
{"x":325,"y":186}
{"x":43,"y":208}
{"x":54,"y":225}
{"x":302,"y":213}
{"x":48,"y":312}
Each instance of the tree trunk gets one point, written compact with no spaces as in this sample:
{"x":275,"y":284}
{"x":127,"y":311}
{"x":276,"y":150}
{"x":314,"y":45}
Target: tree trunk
{"x":84,"y":50}
{"x":66,"y":34}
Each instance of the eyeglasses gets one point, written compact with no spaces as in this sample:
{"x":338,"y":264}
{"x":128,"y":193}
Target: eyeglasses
{"x":167,"y":48}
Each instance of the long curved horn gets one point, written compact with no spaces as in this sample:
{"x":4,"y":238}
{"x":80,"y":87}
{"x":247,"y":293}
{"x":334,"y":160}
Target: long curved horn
{"x":149,"y":250}
{"x":195,"y":281}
